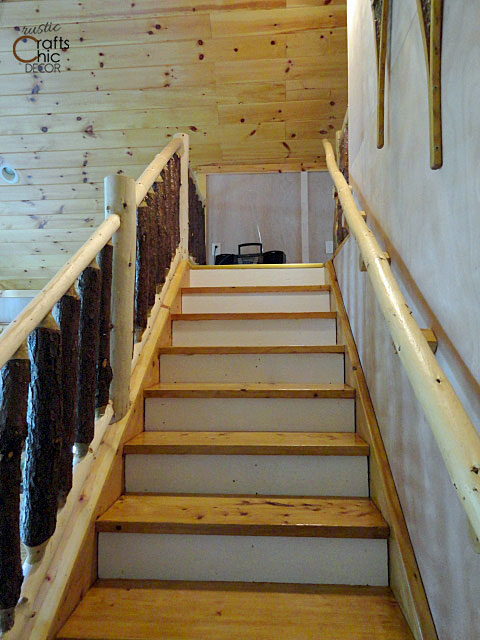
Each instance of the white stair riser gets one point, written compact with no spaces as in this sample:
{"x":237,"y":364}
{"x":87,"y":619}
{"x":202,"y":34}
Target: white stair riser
{"x":249,"y":277}
{"x":250,"y":414}
{"x":264,"y":332}
{"x":256,"y":302}
{"x":309,"y":368}
{"x":248,"y":474}
{"x":243,"y":558}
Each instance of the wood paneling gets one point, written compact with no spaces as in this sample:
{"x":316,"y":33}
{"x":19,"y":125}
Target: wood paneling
{"x":252,"y":81}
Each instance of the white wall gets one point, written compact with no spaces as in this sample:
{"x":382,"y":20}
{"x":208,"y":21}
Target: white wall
{"x":238,"y":202}
{"x":429,"y":221}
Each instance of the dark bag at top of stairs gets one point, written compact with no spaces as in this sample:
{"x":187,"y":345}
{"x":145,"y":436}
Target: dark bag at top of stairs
{"x":269,"y":257}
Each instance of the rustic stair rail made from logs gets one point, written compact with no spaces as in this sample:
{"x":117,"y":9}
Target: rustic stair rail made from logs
{"x":456,"y":436}
{"x":66,"y":359}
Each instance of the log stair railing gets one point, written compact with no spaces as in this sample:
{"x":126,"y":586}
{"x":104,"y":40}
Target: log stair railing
{"x":66,"y":360}
{"x":454,"y":432}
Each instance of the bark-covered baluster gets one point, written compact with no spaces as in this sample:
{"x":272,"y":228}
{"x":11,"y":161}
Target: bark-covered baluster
{"x":67,"y":315}
{"x":163,"y":244}
{"x":196,"y":225}
{"x":151,"y":200}
{"x":14,"y":381}
{"x":191,"y":217}
{"x":142,"y":271}
{"x":89,"y":290}
{"x":40,"y":486}
{"x":104,"y":370}
{"x":173,"y":222}
{"x":196,"y":222}
{"x":177,"y":179}
{"x":201,"y":242}
{"x":168,"y":213}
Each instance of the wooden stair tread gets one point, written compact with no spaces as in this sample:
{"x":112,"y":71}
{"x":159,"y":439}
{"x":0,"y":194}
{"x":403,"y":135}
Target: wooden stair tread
{"x":246,"y":443}
{"x":248,"y":390}
{"x":151,"y":610}
{"x":329,"y":348}
{"x":309,"y":288}
{"x":290,"y":265}
{"x":296,"y":315}
{"x":245,"y":515}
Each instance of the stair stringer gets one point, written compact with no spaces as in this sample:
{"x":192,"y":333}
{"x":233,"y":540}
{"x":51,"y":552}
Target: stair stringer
{"x":404,"y":574}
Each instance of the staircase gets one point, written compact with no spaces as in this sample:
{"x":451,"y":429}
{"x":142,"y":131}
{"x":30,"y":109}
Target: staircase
{"x":246,"y":511}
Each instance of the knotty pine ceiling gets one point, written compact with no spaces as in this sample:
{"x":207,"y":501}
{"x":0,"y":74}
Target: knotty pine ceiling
{"x":253,"y":83}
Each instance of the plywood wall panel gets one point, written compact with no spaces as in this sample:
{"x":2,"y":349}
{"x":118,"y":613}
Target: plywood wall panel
{"x":237,"y":203}
{"x":251,"y":81}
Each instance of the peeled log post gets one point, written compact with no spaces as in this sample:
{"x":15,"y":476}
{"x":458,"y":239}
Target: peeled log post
{"x":14,"y":381}
{"x":67,"y":315}
{"x":142,"y":271}
{"x":104,"y":370}
{"x":89,"y":289}
{"x":40,"y":486}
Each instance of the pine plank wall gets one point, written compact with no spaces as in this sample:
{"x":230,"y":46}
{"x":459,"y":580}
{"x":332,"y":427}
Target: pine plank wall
{"x":253,"y":83}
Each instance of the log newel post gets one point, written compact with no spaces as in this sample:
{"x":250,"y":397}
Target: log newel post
{"x":14,"y":381}
{"x":120,"y":199}
{"x":104,"y":369}
{"x":67,"y":315}
{"x":43,"y":446}
{"x":184,"y":161}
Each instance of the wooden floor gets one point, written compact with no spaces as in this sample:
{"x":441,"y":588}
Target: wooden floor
{"x":151,"y":610}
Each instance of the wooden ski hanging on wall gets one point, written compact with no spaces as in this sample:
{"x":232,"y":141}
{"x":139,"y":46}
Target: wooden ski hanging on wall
{"x":430,"y":13}
{"x":380,"y":22}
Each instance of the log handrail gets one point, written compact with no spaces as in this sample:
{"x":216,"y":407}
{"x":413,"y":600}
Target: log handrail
{"x":36,"y":310}
{"x":454,"y":432}
{"x":151,"y":173}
